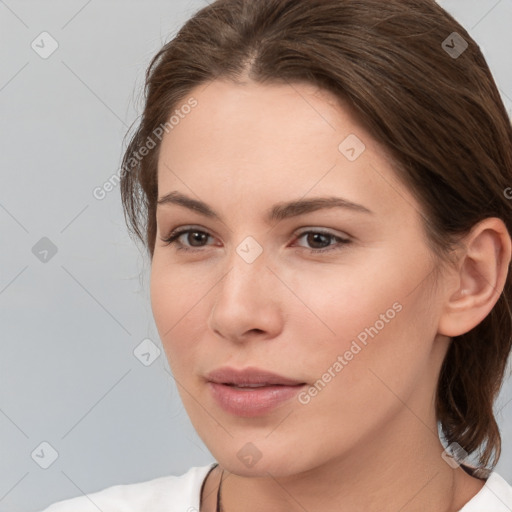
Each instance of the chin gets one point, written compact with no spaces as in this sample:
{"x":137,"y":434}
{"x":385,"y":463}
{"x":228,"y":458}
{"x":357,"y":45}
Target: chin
{"x":278,"y":461}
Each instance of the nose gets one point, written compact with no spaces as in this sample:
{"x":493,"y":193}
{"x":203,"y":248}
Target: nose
{"x":247,"y":302}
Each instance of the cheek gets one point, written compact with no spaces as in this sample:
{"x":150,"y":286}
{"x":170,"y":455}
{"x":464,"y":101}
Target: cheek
{"x":359,"y":386}
{"x":371,"y":316}
{"x":179,"y":305}
{"x":339,"y":304}
{"x":381,"y":350}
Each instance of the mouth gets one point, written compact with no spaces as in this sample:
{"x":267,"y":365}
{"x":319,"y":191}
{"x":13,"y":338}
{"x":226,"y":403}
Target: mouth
{"x":250,"y":377}
{"x":251,"y":392}
{"x":252,"y":401}
{"x":249,"y":387}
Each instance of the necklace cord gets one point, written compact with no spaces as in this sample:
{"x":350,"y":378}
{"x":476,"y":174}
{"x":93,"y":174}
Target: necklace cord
{"x":219,"y":507}
{"x":201,"y":492}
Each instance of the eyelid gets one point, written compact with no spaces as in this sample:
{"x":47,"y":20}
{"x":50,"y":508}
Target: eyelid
{"x":325,"y":231}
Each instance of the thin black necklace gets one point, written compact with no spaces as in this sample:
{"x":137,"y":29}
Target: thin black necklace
{"x":219,"y":497}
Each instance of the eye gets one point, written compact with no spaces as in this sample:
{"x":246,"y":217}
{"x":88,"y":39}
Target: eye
{"x":321,"y":240}
{"x":318,"y":238}
{"x":195,"y":235}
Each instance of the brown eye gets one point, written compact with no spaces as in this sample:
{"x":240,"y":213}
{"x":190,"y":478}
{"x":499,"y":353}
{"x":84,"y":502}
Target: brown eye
{"x":194,"y":238}
{"x":319,"y":241}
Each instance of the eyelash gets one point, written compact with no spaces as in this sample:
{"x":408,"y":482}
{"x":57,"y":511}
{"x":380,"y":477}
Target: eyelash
{"x":172,"y":239}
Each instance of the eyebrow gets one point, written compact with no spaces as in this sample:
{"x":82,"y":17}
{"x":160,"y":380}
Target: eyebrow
{"x":279,"y":211}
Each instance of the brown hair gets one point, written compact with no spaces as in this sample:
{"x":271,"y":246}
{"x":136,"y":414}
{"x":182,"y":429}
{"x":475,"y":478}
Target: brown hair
{"x":439,"y":114}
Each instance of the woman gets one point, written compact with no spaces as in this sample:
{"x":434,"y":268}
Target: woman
{"x":322,"y":190}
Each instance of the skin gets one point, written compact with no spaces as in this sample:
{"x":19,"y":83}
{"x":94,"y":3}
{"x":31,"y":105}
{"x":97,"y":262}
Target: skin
{"x":369,"y":437}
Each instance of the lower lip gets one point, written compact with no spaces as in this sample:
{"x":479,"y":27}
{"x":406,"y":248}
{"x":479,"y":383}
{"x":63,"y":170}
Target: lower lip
{"x":250,"y":402}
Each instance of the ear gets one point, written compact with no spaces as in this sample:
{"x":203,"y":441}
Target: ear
{"x":479,"y":278}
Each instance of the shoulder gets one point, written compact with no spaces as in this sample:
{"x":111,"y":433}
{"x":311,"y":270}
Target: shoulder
{"x":495,"y":496}
{"x":167,"y":493}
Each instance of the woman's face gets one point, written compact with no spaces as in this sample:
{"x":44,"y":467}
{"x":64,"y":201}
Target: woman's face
{"x":355,"y":321}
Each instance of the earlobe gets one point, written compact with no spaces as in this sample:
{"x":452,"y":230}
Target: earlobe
{"x":480,"y":276}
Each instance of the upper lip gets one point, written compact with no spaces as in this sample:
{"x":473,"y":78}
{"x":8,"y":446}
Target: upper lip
{"x":248,"y":376}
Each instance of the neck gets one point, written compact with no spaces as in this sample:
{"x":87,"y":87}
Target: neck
{"x":408,"y":474}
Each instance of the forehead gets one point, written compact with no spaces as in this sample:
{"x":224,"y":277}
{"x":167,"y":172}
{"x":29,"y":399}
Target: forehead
{"x":282,"y":138}
{"x":246,"y":113}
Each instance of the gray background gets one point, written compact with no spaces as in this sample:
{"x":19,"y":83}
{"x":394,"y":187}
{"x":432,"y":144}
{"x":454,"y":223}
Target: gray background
{"x":70,"y":325}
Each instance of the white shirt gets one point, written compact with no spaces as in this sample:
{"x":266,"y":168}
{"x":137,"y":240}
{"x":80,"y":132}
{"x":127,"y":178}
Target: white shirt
{"x":182,"y":493}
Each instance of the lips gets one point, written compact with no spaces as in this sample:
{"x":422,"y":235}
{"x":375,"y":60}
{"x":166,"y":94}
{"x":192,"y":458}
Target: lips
{"x":250,"y":392}
{"x":250,"y":377}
